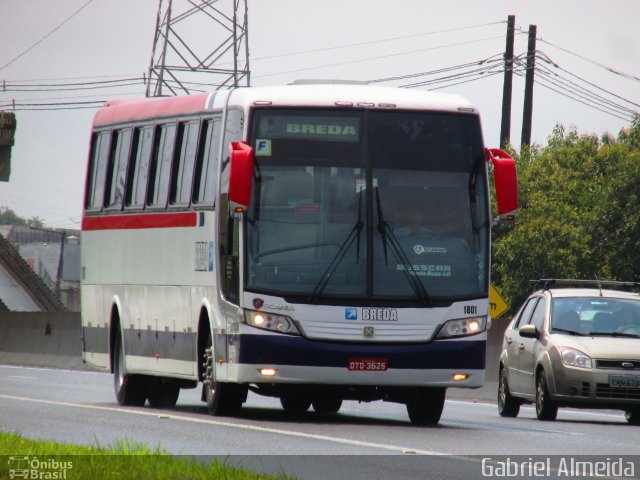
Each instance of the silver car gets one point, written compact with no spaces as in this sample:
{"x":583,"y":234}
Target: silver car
{"x":573,"y":343}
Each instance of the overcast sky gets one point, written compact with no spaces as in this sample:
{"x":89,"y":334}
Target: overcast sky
{"x":69,"y":41}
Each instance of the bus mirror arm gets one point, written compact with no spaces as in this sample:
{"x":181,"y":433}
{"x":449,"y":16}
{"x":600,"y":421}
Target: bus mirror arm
{"x":506,"y":183}
{"x":240,"y":176}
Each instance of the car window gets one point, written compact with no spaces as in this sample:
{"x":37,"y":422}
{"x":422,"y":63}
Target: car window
{"x":537,"y":318}
{"x":526,"y":312}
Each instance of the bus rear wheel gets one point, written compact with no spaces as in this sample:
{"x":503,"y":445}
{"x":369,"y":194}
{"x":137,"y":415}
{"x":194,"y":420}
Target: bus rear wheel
{"x":327,"y":405}
{"x":223,"y":399}
{"x":425,"y":405}
{"x":130,"y":390}
{"x":293,"y":403}
{"x":163,"y":395}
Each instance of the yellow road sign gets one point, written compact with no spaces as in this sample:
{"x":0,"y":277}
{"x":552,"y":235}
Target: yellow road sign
{"x":497,"y":304}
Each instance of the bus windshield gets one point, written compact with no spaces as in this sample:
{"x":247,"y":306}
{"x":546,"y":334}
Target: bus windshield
{"x":367,"y":205}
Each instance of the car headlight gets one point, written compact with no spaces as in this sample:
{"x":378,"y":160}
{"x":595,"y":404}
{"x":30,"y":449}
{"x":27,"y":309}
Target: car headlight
{"x":463,"y":327}
{"x":574,"y":358}
{"x":270,"y":321}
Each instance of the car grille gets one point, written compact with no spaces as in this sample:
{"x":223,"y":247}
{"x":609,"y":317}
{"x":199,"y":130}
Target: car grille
{"x":618,"y":364}
{"x":605,"y":391}
{"x":585,"y":389}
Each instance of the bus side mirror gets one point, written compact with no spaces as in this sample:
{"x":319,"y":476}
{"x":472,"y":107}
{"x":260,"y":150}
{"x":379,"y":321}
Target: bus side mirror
{"x":240,"y":175}
{"x":506,"y":183}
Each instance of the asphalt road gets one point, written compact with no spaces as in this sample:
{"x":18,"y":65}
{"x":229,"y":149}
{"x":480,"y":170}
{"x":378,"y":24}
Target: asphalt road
{"x":368,"y":441}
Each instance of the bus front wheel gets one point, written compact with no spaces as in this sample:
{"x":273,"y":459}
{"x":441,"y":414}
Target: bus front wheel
{"x":222,"y":398}
{"x":425,"y":405}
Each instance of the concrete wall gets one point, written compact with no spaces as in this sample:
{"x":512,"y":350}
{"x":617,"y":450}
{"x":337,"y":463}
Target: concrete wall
{"x":42,"y":339}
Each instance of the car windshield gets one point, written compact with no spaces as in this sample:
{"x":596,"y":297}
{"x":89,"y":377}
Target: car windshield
{"x":368,"y":205}
{"x":598,"y":316}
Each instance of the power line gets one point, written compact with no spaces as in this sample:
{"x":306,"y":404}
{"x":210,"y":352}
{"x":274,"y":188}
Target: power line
{"x":380,"y":57}
{"x":582,"y":91}
{"x":575,"y":92}
{"x":46,"y":36}
{"x":601,"y":65}
{"x":546,"y":59}
{"x":431,"y":72}
{"x":374,"y":42}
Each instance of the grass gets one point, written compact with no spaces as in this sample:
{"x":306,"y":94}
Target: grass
{"x":124,"y":460}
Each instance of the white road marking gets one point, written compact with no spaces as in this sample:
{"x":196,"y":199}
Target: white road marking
{"x":589,"y":413}
{"x":18,"y":377}
{"x":240,"y":426}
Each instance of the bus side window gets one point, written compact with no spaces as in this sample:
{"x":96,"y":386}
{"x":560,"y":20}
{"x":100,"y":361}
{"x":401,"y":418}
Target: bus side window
{"x":116,"y":173}
{"x":97,"y":171}
{"x":206,"y":173}
{"x":138,"y":174}
{"x":161,"y":160}
{"x":182,"y":177}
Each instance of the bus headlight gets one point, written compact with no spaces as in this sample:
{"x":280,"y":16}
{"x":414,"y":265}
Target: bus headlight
{"x":463,"y":327}
{"x":270,"y":321}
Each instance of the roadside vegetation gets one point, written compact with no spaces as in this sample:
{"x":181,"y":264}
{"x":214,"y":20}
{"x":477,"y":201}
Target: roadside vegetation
{"x":579,"y":213}
{"x":125,"y":460}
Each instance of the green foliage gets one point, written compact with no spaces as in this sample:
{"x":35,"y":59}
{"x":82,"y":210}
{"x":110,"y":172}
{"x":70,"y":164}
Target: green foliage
{"x":579,"y":212}
{"x":125,"y":460}
{"x":9,"y":217}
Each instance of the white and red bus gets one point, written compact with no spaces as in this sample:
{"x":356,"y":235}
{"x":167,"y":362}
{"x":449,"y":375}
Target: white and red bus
{"x":312,"y":242}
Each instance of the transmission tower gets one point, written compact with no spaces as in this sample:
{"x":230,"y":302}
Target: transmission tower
{"x":205,"y":45}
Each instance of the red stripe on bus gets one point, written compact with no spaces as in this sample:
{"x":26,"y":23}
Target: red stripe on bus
{"x":134,"y":222}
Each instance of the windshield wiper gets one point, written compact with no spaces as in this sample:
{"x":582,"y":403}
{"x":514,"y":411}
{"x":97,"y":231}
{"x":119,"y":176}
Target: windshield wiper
{"x":570,"y":332}
{"x":342,"y":251}
{"x":388,"y":237}
{"x":614,"y":334}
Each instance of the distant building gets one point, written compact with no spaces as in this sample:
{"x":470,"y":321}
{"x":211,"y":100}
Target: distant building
{"x":58,"y":268}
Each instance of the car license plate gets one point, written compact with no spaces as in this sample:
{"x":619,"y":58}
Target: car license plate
{"x":624,"y":381}
{"x":368,"y":364}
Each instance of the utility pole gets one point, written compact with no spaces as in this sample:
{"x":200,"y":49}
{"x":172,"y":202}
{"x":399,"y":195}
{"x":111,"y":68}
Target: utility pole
{"x":197,"y":45}
{"x":527,"y":111}
{"x":507,"y":89}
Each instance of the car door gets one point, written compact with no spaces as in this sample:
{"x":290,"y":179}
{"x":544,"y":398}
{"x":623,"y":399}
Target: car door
{"x":513,"y":343}
{"x":529,"y":348}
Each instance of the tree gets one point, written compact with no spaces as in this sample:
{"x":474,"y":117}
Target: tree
{"x":579,"y":212}
{"x":9,"y":217}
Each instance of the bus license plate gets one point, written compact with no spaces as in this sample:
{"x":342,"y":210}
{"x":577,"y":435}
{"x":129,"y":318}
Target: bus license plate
{"x":368,"y":364}
{"x":624,"y":381}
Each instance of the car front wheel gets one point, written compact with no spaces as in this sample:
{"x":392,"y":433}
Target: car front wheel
{"x":508,"y":406}
{"x":632,"y":416}
{"x":546,"y":409}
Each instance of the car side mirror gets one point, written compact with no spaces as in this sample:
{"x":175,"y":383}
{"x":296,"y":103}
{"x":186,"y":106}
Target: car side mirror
{"x":529,"y":331}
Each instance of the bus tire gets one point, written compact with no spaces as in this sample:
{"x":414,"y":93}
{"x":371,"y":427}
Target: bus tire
{"x":327,"y":405}
{"x":425,"y":406}
{"x":293,"y":403}
{"x":223,"y":399}
{"x":163,"y":395}
{"x":130,"y":390}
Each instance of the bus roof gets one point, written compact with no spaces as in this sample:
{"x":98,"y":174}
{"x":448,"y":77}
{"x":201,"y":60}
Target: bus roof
{"x":331,"y":95}
{"x":121,"y":111}
{"x":323,"y":95}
